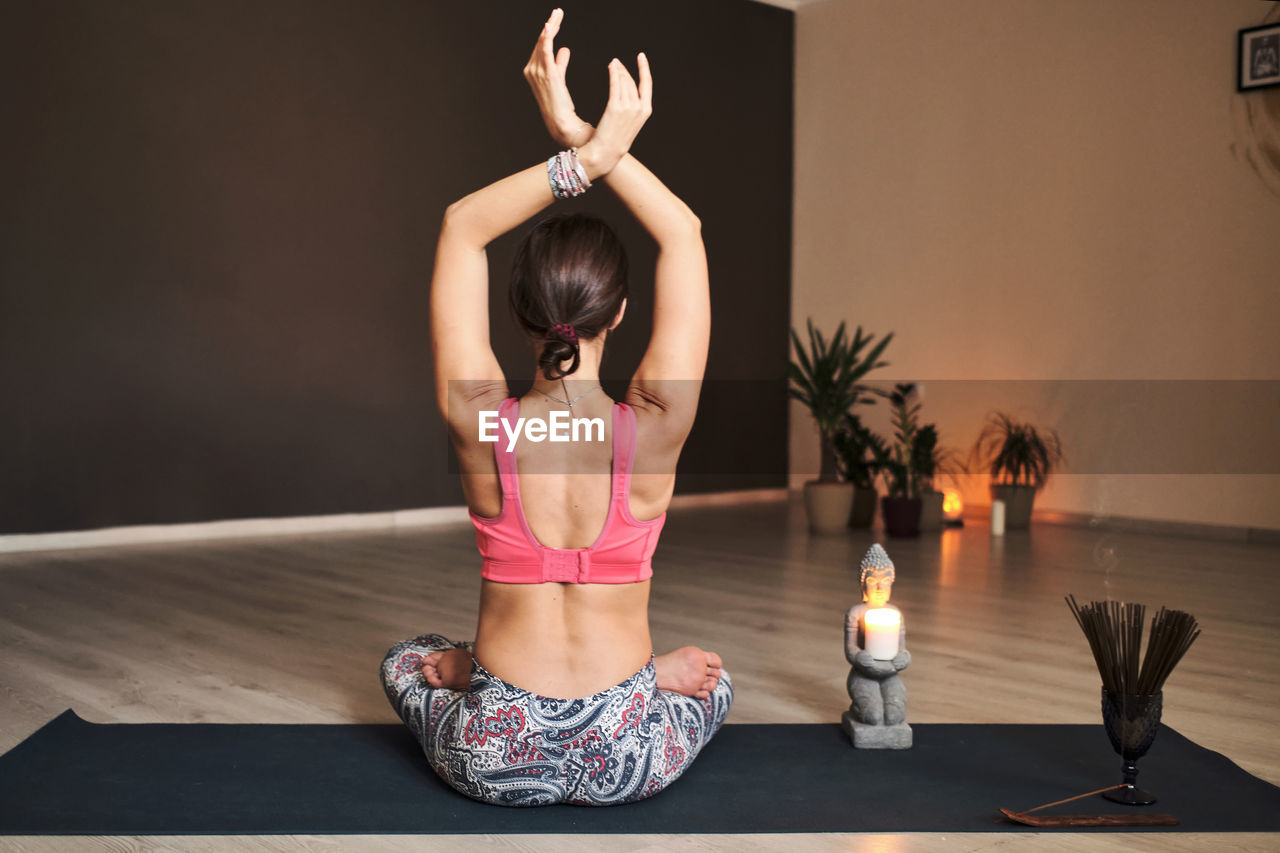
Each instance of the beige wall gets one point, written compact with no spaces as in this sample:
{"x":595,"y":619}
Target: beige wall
{"x":1037,"y":190}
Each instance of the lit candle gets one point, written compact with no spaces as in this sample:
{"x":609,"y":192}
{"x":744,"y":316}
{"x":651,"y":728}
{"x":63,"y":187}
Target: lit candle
{"x":881,"y":626}
{"x":997,"y":518}
{"x":952,"y":505}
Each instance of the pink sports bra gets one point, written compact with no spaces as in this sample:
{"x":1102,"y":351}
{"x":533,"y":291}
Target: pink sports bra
{"x":620,"y":554}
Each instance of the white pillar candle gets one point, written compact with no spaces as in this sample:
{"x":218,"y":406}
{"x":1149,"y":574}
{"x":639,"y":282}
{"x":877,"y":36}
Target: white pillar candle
{"x":997,"y":518}
{"x":881,"y":626}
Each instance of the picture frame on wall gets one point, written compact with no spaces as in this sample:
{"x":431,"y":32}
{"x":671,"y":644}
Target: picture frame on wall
{"x":1258,"y":57}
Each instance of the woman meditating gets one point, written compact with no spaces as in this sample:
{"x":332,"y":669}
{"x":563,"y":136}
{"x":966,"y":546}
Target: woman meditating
{"x":560,"y":699}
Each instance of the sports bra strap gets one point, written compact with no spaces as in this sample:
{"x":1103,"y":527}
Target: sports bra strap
{"x":506,"y":459}
{"x":624,"y":447}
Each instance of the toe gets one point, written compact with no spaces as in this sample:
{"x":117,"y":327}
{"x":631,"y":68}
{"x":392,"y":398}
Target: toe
{"x":714,"y":661}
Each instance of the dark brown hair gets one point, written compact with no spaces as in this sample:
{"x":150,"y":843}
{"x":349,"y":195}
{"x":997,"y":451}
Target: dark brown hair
{"x":570,"y":269}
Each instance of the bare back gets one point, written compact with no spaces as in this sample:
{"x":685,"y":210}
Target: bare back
{"x":563,"y":639}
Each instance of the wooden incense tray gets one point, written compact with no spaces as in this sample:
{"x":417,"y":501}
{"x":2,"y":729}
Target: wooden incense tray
{"x":1090,"y":819}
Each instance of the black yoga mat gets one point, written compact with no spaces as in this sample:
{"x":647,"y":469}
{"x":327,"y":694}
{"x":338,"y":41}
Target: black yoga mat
{"x":75,"y":777}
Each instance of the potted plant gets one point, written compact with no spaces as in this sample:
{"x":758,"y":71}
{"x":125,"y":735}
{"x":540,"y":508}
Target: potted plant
{"x":925,"y":463}
{"x":930,"y":461}
{"x":858,"y":451}
{"x":1020,"y":458}
{"x":826,"y":378}
{"x":901,"y":505}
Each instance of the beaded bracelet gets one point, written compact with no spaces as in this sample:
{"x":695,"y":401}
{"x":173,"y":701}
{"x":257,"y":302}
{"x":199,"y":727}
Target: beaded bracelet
{"x":568,"y":178}
{"x":565,"y":181}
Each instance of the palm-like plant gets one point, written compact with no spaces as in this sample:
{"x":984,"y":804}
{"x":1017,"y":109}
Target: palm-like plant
{"x":901,"y":479}
{"x":924,"y":458}
{"x":1017,"y":454}
{"x":929,"y":460}
{"x":858,"y":451}
{"x":826,"y":379}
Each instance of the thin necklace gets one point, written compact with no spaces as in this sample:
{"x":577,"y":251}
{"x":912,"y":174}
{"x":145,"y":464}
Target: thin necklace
{"x":568,"y":403}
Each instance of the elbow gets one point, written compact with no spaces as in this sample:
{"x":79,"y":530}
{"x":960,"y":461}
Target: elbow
{"x":680,"y":230}
{"x":694,"y":224}
{"x":456,"y":229}
{"x":459,"y":210}
{"x":453,"y":213}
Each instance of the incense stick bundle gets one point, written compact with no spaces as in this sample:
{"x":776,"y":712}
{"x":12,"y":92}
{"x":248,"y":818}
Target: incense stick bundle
{"x":1114,"y":632}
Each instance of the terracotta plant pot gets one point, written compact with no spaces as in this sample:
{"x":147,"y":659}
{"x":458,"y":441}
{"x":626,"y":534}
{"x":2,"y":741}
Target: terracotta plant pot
{"x":901,"y":516}
{"x":931,"y":510}
{"x":1017,"y":505}
{"x":864,"y":508}
{"x":828,"y":505}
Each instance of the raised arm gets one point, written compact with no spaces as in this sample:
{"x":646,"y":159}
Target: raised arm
{"x":466,"y":369}
{"x":669,"y":377}
{"x":667,"y":383}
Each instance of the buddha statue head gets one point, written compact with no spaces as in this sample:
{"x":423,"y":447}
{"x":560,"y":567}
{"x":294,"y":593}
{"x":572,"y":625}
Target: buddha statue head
{"x":877,"y":576}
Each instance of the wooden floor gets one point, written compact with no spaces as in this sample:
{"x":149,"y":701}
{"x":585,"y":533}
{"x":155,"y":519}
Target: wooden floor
{"x":292,"y":630}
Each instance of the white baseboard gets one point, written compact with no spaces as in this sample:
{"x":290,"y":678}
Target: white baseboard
{"x":746,"y":496}
{"x":143,"y":533}
{"x":427,"y":517}
{"x":1130,"y":524}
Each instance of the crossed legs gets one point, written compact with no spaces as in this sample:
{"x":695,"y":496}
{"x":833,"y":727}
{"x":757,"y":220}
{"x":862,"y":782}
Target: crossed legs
{"x":499,"y":744}
{"x":688,"y":670}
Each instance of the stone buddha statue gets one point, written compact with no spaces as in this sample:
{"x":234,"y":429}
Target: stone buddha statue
{"x":877,"y":713}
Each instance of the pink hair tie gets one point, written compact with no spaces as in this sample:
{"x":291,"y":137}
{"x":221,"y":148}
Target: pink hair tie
{"x":565,"y":330}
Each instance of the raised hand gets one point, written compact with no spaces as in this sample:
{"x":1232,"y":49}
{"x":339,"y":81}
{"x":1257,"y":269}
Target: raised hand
{"x":545,"y":72}
{"x":628,"y":109}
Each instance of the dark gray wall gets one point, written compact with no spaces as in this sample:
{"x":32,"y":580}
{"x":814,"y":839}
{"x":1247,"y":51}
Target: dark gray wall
{"x":218,"y":221}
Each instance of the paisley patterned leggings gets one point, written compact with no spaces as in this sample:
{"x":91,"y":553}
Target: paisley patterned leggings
{"x":500,"y":744}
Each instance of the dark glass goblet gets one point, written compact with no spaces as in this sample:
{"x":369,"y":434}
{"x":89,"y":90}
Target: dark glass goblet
{"x":1132,"y":721}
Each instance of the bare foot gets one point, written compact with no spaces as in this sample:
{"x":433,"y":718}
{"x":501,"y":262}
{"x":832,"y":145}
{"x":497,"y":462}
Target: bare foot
{"x":451,"y":669}
{"x":689,"y":671}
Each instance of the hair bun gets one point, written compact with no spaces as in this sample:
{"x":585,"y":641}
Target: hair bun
{"x":557,"y":350}
{"x":568,"y":285}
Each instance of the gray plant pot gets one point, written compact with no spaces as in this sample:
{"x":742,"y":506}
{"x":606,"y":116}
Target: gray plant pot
{"x":864,"y":508}
{"x":1017,"y":505}
{"x":931,"y":510}
{"x":828,"y":506}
